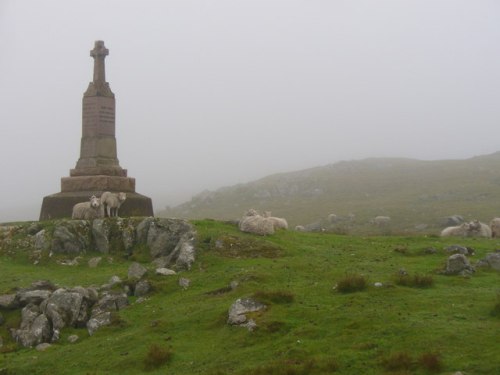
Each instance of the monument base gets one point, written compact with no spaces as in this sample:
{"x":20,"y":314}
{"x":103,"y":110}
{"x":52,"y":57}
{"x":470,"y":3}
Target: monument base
{"x":99,"y":183}
{"x":60,"y":205}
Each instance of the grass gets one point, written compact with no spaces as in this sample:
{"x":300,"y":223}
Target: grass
{"x":307,"y":327}
{"x":352,"y":283}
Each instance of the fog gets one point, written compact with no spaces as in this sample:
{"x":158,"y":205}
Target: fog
{"x":215,"y":93}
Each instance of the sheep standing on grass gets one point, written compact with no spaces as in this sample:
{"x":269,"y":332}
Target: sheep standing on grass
{"x":252,"y":222}
{"x":88,"y":210}
{"x":278,"y":222}
{"x":112,"y":202}
{"x":461,"y":230}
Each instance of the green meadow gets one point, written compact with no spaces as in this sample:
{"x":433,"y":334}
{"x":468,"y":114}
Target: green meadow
{"x":427,"y":324}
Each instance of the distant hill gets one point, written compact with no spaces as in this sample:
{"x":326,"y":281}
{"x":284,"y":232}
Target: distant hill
{"x":414,"y":193}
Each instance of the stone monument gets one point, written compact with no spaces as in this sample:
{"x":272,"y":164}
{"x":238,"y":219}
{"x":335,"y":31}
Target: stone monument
{"x":97,"y":170}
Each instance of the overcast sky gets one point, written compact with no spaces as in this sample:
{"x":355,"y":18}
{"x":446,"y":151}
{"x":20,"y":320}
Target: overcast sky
{"x":220,"y":92}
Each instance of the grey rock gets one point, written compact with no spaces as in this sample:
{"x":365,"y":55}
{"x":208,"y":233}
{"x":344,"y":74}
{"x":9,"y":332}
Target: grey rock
{"x":9,"y":301}
{"x":430,"y":250}
{"x":34,"y":329}
{"x":165,"y":272}
{"x":110,"y":302}
{"x":33,"y":228}
{"x":142,"y":288}
{"x":136,"y":271}
{"x":458,"y":249}
{"x":100,"y":234}
{"x":184,"y":253}
{"x":97,"y":321}
{"x":492,"y":260}
{"x":43,"y":346}
{"x":184,"y":283}
{"x":67,"y":308}
{"x":73,"y":338}
{"x":94,"y":262}
{"x":42,"y":240}
{"x":128,"y":236}
{"x":240,"y":307}
{"x":71,"y":237}
{"x":458,"y":264}
{"x":36,"y":297}
{"x":160,"y":262}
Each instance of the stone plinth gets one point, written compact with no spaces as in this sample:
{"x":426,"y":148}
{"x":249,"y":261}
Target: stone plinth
{"x":60,"y":205}
{"x":99,"y":183}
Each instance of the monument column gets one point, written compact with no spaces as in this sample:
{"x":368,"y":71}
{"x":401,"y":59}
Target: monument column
{"x":97,"y":170}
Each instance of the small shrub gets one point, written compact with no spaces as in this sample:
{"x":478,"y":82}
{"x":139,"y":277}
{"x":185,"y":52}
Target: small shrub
{"x":416,"y":281}
{"x":352,"y":283}
{"x":157,"y":357}
{"x":397,"y":362}
{"x":431,"y":362}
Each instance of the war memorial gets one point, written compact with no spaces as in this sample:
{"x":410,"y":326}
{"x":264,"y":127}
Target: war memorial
{"x":98,"y":169}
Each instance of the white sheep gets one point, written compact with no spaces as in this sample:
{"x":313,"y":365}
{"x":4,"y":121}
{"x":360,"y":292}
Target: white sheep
{"x":478,"y":229}
{"x":461,"y":230}
{"x":278,"y":222}
{"x":88,"y":210}
{"x":112,"y":202}
{"x":252,"y":222}
{"x":495,"y":227}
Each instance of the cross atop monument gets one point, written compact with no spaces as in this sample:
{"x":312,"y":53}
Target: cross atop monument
{"x":99,"y":86}
{"x":99,"y":53}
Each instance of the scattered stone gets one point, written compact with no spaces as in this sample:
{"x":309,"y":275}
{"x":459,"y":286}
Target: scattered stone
{"x":402,"y":272}
{"x":184,"y":283}
{"x":8,"y":301}
{"x":430,"y":250}
{"x":142,"y":288}
{"x":457,"y":249}
{"x":97,"y":321}
{"x":492,"y":260}
{"x":242,"y":306}
{"x":43,"y":346}
{"x":94,"y":262}
{"x":458,"y":264}
{"x":136,"y":271}
{"x":113,"y":281}
{"x":69,"y":262}
{"x":165,"y":272}
{"x":378,"y":285}
{"x":73,"y":338}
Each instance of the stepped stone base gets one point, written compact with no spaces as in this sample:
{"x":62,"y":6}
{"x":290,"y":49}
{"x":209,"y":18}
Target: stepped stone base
{"x":60,"y":205}
{"x":100,"y":183}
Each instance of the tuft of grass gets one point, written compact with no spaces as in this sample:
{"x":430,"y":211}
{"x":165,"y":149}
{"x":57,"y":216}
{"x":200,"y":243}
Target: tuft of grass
{"x":415,"y":281}
{"x":232,"y":246}
{"x":278,"y":297}
{"x":352,"y":283}
{"x":157,"y":356}
{"x":431,"y":362}
{"x":400,"y":361}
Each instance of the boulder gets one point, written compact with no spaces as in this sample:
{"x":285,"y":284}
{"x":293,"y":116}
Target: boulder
{"x":165,"y":272}
{"x":36,"y":297}
{"x":241,"y":307}
{"x":71,"y":237}
{"x":458,"y":264}
{"x":100,"y":234}
{"x":9,"y":302}
{"x":142,"y":288}
{"x":41,"y":240}
{"x":457,"y":249}
{"x":34,"y":329}
{"x":97,"y":321}
{"x":492,"y":260}
{"x":67,"y":308}
{"x":136,"y":271}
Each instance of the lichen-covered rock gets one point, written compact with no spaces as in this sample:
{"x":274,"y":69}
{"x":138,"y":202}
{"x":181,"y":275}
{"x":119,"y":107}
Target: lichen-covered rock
{"x":492,"y":260}
{"x":100,"y":234}
{"x":165,"y":272}
{"x":26,"y":297}
{"x":34,"y":329}
{"x":458,"y":264}
{"x":9,"y":301}
{"x":71,"y":237}
{"x":97,"y":321}
{"x":136,"y":271}
{"x":41,"y":240}
{"x":241,"y":307}
{"x":142,"y":288}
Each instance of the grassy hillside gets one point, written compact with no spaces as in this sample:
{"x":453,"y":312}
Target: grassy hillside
{"x":411,"y":192}
{"x":309,"y":326}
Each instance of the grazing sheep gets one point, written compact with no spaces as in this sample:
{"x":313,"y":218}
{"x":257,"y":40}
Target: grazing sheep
{"x":112,"y":202}
{"x":88,"y":210}
{"x":495,"y":227}
{"x":278,"y":222}
{"x":252,"y":222}
{"x":461,"y":230}
{"x":478,"y":229}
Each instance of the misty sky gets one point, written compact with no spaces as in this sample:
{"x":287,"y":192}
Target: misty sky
{"x":220,"y":92}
